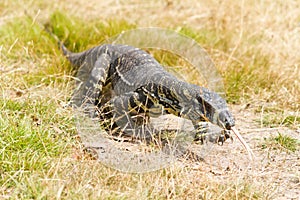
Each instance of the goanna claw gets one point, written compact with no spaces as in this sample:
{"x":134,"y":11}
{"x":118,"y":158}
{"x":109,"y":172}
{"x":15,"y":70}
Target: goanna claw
{"x":225,"y":134}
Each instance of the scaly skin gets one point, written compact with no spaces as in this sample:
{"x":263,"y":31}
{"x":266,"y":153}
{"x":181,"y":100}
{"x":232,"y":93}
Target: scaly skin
{"x":137,"y":84}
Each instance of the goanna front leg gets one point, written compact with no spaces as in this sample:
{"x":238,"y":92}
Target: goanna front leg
{"x":87,"y":95}
{"x":206,"y":133}
{"x":127,"y":117}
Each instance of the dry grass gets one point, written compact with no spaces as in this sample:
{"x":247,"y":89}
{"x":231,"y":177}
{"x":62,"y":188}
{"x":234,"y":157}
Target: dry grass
{"x":255,"y":46}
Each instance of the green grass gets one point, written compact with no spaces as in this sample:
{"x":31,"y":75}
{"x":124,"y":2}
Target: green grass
{"x":282,"y":142}
{"x":287,"y":142}
{"x":65,"y":27}
{"x":30,"y":143}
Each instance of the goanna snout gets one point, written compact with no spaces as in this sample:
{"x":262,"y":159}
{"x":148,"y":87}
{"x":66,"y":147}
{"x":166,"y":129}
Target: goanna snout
{"x":225,"y":120}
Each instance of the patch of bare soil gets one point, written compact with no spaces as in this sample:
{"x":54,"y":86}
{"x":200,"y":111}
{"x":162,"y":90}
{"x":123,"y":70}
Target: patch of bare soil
{"x":274,"y":170}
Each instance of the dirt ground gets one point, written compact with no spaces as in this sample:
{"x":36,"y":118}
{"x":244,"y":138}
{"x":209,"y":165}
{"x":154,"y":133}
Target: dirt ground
{"x":272,"y":168}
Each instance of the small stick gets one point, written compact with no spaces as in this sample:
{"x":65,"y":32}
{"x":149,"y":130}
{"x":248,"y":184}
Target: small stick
{"x":241,"y":139}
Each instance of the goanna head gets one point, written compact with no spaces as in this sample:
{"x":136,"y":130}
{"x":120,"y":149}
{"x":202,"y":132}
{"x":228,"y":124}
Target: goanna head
{"x":199,"y":104}
{"x":213,"y":108}
{"x":224,"y":119}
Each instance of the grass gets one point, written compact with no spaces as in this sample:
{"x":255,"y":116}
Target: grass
{"x":287,"y":142}
{"x":273,"y":116}
{"x":282,"y":142}
{"x":40,"y":153}
{"x":65,"y":28}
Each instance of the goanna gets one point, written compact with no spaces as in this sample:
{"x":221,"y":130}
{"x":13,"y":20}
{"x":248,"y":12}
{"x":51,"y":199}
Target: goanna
{"x":128,"y":85}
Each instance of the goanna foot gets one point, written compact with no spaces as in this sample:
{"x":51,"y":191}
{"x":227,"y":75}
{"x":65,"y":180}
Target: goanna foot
{"x":209,"y":134}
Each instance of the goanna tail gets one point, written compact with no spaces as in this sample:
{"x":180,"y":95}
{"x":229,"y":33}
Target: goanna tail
{"x":60,"y":43}
{"x":82,"y":64}
{"x":76,"y":59}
